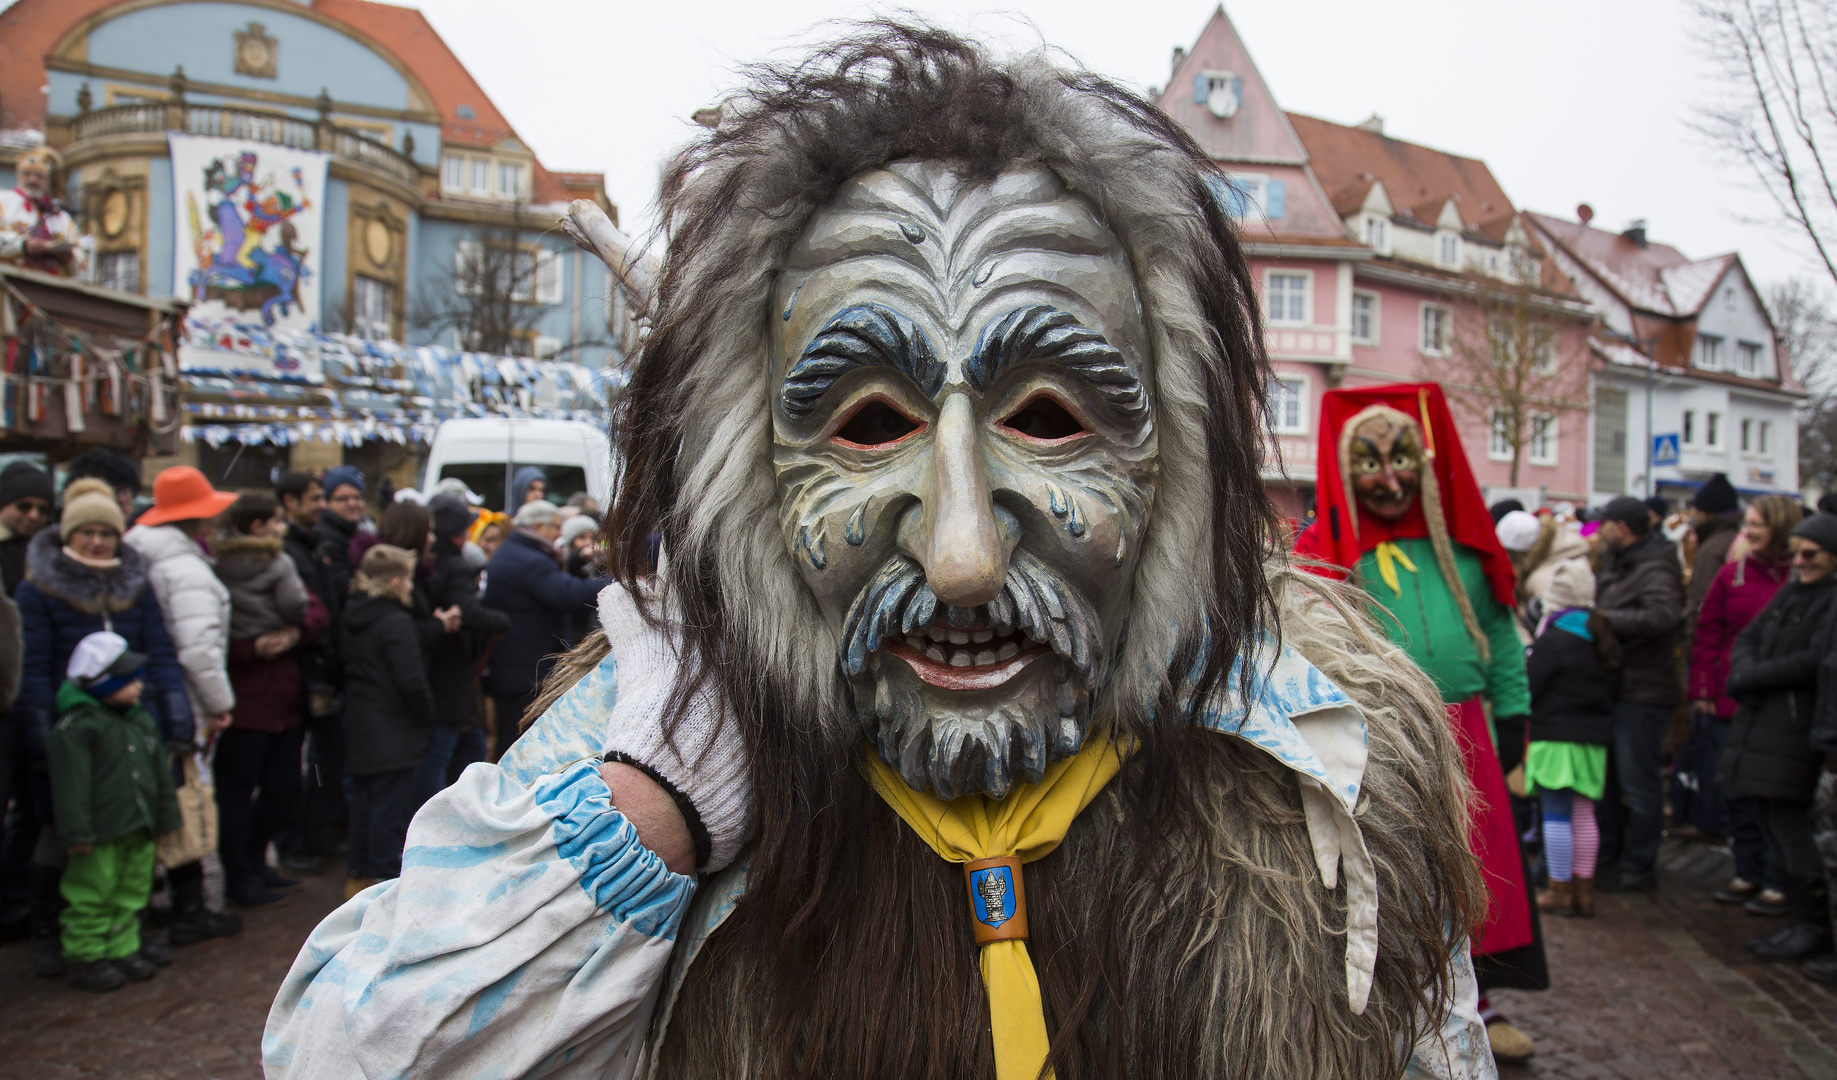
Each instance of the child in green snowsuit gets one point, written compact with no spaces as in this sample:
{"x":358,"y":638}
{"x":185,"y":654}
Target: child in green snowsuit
{"x":112,"y":793}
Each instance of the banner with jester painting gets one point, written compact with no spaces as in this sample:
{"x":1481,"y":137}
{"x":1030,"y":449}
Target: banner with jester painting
{"x":250,"y":220}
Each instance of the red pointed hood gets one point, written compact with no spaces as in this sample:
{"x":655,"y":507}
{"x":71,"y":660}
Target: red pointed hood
{"x":1343,"y":531}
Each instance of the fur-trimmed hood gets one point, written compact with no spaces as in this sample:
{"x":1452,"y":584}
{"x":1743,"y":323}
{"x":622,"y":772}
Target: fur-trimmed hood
{"x":242,"y":557}
{"x":85,"y":588}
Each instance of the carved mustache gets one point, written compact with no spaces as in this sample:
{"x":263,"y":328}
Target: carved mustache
{"x":1035,"y":600}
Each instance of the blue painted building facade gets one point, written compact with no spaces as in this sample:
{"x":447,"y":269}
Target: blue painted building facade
{"x":423,"y":171}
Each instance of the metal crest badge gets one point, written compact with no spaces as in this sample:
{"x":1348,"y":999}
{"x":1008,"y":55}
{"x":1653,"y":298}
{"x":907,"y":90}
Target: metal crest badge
{"x":998,"y":899}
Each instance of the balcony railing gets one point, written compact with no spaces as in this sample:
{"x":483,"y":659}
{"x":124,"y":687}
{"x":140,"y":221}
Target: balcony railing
{"x":276,"y":128}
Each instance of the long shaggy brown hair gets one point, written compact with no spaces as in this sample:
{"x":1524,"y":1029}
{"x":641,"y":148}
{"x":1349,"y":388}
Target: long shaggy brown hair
{"x":1182,"y":929}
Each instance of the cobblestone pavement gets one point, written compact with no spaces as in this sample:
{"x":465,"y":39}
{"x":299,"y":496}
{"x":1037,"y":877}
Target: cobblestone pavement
{"x":1658,"y":986}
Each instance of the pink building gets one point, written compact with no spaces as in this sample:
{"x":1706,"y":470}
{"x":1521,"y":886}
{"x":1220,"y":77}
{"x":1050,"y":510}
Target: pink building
{"x":1368,"y":252}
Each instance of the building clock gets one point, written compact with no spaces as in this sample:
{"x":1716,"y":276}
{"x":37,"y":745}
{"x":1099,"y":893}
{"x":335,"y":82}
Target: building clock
{"x":255,"y":52}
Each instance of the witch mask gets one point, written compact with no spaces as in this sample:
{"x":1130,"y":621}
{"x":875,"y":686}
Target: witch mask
{"x":966,"y":459}
{"x":1385,"y":461}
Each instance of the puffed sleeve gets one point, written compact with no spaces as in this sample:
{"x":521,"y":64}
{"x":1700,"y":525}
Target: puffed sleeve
{"x":527,"y":936}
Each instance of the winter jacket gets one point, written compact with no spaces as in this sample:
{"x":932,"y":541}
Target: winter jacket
{"x":12,"y":652}
{"x":1714,"y":537}
{"x":109,"y":777}
{"x":61,"y":603}
{"x":1773,"y":673}
{"x":388,"y":705}
{"x":452,"y":660}
{"x":331,"y":549}
{"x":266,"y":593}
{"x":197,"y":610}
{"x":527,"y":583}
{"x":1640,"y":593}
{"x":1574,"y":672}
{"x":13,"y":558}
{"x":1738,"y":593}
{"x":271,"y":693}
{"x":318,"y":664}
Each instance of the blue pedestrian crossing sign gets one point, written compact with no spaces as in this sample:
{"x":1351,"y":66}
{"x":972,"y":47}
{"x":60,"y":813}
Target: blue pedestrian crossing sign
{"x":1665,"y":449}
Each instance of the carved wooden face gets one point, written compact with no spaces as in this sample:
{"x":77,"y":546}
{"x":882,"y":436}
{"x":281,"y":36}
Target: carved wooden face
{"x":966,"y":460}
{"x":1386,"y":464}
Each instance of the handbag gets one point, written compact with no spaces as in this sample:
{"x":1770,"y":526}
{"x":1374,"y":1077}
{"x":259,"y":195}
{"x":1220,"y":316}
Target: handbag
{"x":198,"y":811}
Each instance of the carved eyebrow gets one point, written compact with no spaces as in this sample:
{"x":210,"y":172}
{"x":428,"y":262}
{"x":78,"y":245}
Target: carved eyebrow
{"x":1043,"y":332}
{"x":866,"y":335}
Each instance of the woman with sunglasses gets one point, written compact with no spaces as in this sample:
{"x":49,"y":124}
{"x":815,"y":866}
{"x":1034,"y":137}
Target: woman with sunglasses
{"x":1773,"y":676}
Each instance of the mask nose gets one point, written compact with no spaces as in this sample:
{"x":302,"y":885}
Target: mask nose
{"x":957,"y":533}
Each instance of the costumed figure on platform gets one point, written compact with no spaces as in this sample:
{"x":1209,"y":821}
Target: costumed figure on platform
{"x":1398,"y":506}
{"x":974,"y":725}
{"x":35,"y":231}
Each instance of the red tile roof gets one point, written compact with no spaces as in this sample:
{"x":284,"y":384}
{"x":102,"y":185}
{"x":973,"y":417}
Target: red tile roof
{"x":30,"y":28}
{"x":1412,"y":175}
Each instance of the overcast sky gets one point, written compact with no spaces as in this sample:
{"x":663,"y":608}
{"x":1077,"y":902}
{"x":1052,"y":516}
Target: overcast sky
{"x":1568,"y":101}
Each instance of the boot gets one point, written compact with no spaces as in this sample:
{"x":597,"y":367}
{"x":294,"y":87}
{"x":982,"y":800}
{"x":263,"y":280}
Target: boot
{"x":1558,"y":899}
{"x":192,"y":922}
{"x":135,"y":968}
{"x":46,"y":950}
{"x":152,"y":949}
{"x":1585,"y":897}
{"x":97,"y":976}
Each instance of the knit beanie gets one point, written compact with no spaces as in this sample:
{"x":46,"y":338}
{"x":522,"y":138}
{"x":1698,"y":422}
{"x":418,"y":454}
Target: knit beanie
{"x":90,"y":502}
{"x":1572,"y":585}
{"x":343,"y":474}
{"x":451,"y":515}
{"x":1820,"y":529}
{"x":1518,"y":530}
{"x":23,"y":480}
{"x":576,"y":525}
{"x":1717,"y":496}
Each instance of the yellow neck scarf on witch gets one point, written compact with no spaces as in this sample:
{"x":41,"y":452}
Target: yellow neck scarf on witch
{"x":1027,"y":825}
{"x":1389,"y":556}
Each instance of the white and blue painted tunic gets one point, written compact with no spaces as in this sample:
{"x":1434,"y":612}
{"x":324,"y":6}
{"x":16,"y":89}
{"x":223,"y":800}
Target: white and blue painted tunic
{"x":532,"y":935}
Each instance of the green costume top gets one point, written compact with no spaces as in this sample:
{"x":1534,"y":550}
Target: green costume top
{"x":109,"y":776}
{"x":1426,"y":623}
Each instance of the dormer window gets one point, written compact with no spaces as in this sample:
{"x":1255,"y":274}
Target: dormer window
{"x":1377,"y":234}
{"x":465,"y":112}
{"x":1448,"y":249}
{"x":1709,"y":352}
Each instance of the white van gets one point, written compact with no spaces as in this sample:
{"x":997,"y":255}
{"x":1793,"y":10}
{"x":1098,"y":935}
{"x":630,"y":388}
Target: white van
{"x":487,"y":452}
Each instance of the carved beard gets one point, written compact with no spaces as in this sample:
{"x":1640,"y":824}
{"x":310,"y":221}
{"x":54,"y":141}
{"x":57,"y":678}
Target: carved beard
{"x":1040,"y":716}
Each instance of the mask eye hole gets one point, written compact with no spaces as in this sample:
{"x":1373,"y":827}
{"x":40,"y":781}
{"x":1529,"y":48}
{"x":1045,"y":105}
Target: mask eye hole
{"x":1043,"y":419}
{"x":874,"y":425}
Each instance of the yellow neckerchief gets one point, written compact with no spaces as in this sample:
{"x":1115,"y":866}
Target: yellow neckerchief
{"x":1389,"y":554}
{"x":1029,"y":823}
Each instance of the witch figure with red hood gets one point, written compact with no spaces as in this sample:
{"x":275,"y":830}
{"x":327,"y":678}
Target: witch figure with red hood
{"x":1400,"y":511}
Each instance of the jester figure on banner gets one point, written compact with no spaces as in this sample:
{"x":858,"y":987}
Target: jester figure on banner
{"x":1398,"y":506}
{"x":35,"y":231}
{"x":246,"y":246}
{"x":972,"y":722}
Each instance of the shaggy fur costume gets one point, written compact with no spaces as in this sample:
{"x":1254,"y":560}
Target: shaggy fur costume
{"x":1182,"y":929}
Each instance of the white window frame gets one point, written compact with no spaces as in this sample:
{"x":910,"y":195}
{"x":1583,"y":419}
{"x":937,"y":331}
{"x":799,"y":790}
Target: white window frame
{"x":1285,"y":388}
{"x":1498,"y":442}
{"x":480,"y":180}
{"x":1448,"y":248}
{"x":1709,"y":352}
{"x":466,"y":255}
{"x":1688,"y":429}
{"x":372,"y":325}
{"x":1747,"y":435}
{"x":1766,"y":439}
{"x":545,"y":347}
{"x":1744,"y":350}
{"x":1378,"y":233}
{"x":452,"y":173}
{"x":1370,"y":338}
{"x":1545,"y":364}
{"x":1423,"y":345}
{"x":548,"y":277}
{"x":1306,"y":277}
{"x":1544,"y":429}
{"x":1712,"y":430}
{"x":514,"y":173}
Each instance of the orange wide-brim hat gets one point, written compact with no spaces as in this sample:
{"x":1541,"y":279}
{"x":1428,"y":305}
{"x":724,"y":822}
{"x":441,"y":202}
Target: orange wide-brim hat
{"x":181,"y":494}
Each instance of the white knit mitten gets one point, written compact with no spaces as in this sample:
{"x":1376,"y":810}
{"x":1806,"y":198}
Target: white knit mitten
{"x":703,"y":762}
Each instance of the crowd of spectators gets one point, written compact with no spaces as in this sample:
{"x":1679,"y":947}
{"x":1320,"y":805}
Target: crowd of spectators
{"x":1683,"y":669}
{"x":277,"y":677}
